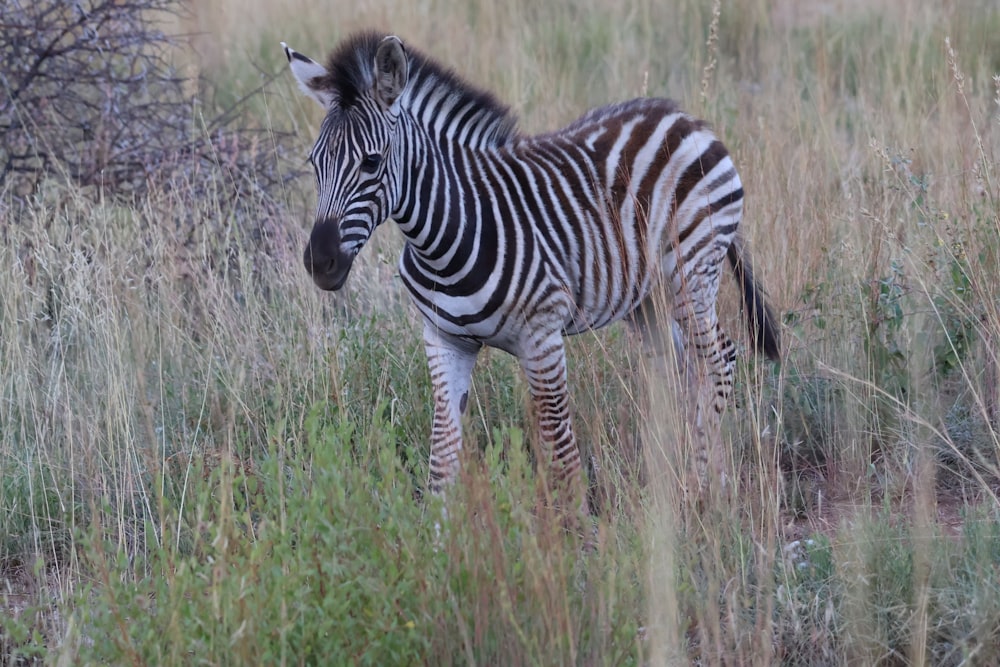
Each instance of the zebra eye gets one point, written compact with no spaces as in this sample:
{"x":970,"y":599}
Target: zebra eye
{"x":371,"y":162}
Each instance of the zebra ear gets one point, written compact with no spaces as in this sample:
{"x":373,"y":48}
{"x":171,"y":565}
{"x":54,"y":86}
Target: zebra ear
{"x":313,"y":78}
{"x":391,"y":70}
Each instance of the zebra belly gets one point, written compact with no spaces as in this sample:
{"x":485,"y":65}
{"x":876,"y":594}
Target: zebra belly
{"x":505,"y":319}
{"x":597,"y":309}
{"x":596,"y":316}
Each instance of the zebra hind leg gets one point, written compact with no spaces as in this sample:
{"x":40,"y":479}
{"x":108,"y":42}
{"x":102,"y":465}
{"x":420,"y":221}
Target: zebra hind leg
{"x":665,"y":407}
{"x":709,"y":360}
{"x":688,"y":353}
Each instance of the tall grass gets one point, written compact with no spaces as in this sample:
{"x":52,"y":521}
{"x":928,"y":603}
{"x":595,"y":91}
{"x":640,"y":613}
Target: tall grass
{"x":206,"y":460}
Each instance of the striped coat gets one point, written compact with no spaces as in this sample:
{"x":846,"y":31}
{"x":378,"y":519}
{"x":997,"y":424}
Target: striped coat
{"x":515,"y":241}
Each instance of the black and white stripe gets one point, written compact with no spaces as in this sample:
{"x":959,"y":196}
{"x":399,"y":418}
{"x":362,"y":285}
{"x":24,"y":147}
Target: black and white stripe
{"x":515,"y":241}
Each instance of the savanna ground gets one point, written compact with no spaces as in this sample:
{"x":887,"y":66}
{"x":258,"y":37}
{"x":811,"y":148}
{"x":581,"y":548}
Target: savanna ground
{"x":205,"y":460}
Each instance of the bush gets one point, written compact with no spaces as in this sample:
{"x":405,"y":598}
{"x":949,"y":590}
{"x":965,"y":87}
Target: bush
{"x":90,"y":97}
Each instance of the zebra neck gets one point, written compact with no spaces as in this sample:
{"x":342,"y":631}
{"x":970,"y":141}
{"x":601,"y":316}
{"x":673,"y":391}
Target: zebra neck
{"x":444,"y":214}
{"x":448,"y":110}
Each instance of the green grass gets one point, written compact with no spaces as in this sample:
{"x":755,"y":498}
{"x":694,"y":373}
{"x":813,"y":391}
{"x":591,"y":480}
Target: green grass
{"x":333,"y":562}
{"x":205,"y":460}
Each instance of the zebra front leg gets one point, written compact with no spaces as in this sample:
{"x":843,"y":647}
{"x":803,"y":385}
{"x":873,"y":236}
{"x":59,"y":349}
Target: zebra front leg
{"x":544,"y":364}
{"x":451,"y":361}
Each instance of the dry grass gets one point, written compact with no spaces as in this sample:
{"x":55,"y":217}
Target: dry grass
{"x":195,"y":452}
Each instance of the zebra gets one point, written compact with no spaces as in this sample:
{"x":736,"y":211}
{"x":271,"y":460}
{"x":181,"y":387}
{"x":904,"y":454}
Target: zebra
{"x":517,"y":241}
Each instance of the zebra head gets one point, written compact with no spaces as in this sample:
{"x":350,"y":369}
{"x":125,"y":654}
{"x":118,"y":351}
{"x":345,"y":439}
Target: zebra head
{"x":360,"y":93}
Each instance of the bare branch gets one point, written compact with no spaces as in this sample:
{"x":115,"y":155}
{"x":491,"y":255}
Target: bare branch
{"x":87,"y":92}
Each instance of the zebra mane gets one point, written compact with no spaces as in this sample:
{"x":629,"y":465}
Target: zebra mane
{"x":351,"y":76}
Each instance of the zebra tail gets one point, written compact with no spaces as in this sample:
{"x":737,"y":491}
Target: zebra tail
{"x":764,"y":329}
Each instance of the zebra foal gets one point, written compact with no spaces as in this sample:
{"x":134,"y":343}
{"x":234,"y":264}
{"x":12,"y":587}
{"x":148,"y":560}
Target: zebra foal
{"x":515,"y":241}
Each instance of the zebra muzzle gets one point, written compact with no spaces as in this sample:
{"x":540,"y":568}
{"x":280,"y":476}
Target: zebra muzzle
{"x":323,"y":258}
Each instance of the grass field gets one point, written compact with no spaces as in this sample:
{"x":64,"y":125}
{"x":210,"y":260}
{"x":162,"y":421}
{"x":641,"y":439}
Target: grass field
{"x":205,"y":460}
